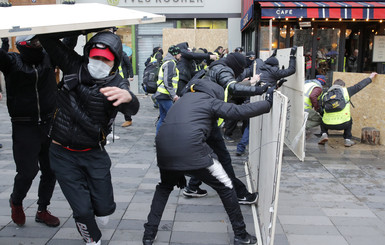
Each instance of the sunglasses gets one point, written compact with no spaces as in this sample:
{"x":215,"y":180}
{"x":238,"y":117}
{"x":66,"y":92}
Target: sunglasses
{"x":33,"y":43}
{"x":100,"y":46}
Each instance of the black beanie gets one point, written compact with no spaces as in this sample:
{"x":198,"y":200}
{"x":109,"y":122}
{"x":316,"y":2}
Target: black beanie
{"x":272,"y":61}
{"x":237,"y":62}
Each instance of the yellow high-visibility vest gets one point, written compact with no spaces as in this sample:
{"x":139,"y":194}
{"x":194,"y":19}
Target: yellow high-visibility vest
{"x":161,"y":88}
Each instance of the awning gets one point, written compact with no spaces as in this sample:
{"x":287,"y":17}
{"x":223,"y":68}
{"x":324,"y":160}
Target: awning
{"x":38,"y":19}
{"x":332,"y":10}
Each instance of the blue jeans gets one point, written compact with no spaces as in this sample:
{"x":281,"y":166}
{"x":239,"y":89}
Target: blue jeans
{"x":241,"y":146}
{"x":164,"y":106}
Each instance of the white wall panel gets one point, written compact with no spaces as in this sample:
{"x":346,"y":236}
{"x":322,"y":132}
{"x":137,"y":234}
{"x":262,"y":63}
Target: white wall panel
{"x":265,"y":158}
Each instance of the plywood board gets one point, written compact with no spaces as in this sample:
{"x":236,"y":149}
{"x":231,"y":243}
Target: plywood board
{"x":17,"y":20}
{"x":295,"y":123}
{"x":265,"y":160}
{"x":369,"y":109}
{"x":209,"y":39}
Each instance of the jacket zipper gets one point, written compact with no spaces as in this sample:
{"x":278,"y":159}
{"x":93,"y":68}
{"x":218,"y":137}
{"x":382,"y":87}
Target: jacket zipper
{"x":37,"y":94}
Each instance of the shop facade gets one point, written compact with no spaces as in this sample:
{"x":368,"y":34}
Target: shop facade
{"x":190,"y":14}
{"x":332,"y":33}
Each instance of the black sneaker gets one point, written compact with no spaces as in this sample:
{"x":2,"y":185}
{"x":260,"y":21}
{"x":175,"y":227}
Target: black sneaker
{"x":194,"y":193}
{"x":248,"y":239}
{"x":148,"y":240}
{"x":240,"y":153}
{"x":250,"y":198}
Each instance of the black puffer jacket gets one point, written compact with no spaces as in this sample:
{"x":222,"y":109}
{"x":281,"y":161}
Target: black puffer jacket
{"x":270,"y":73}
{"x":84,"y":115}
{"x":220,"y":73}
{"x":31,"y":89}
{"x":181,"y":140}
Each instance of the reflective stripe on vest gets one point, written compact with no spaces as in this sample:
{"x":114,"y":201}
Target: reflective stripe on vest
{"x":308,"y":88}
{"x":161,"y":88}
{"x":220,"y":120}
{"x":339,"y":117}
{"x":153,"y":59}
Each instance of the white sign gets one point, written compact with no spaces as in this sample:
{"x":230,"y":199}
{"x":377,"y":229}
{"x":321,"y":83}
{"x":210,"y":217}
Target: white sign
{"x":379,"y":49}
{"x":17,"y":21}
{"x":156,"y":3}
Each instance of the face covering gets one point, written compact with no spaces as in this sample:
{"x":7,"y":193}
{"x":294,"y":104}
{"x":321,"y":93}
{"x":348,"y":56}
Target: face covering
{"x":98,"y":69}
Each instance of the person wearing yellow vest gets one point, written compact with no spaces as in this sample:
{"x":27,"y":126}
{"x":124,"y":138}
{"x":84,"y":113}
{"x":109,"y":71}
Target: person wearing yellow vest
{"x":219,"y":52}
{"x":312,"y":94}
{"x":167,"y":83}
{"x":341,"y":120}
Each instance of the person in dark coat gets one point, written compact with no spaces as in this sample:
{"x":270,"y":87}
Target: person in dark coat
{"x":182,"y":148}
{"x":186,"y":64}
{"x":157,"y":55}
{"x":89,"y":97}
{"x":31,"y":90}
{"x":127,"y":73}
{"x":224,"y":73}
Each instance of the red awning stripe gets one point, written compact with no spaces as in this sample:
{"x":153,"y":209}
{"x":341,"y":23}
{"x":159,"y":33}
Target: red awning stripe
{"x":344,"y":10}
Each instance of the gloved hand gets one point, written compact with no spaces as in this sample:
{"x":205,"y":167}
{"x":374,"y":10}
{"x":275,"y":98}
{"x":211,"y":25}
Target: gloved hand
{"x":269,"y":95}
{"x":260,"y":90}
{"x":181,"y":182}
{"x":280,"y":82}
{"x":274,"y":53}
{"x":4,"y":40}
{"x":293,"y":51}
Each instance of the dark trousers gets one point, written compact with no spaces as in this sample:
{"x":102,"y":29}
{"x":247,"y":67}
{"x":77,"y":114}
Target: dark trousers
{"x":85,"y":180}
{"x":347,"y":127}
{"x":214,"y":176}
{"x":216,"y":142}
{"x":30,"y":152}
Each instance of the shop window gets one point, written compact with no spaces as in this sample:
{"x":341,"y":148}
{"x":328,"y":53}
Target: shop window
{"x":202,"y":24}
{"x":264,"y":37}
{"x":328,"y":40}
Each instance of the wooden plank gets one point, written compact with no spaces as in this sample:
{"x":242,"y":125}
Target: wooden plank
{"x":38,"y":19}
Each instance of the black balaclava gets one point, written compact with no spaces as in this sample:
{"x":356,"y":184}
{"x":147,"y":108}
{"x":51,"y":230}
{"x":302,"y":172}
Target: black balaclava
{"x":29,"y":55}
{"x":237,"y":62}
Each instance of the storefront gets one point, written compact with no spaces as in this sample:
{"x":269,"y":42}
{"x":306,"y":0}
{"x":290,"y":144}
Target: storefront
{"x":332,"y":33}
{"x":191,"y":14}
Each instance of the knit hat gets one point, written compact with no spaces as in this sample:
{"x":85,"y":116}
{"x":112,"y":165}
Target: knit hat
{"x":321,"y":79}
{"x":237,"y":62}
{"x":272,"y":61}
{"x":174,"y":50}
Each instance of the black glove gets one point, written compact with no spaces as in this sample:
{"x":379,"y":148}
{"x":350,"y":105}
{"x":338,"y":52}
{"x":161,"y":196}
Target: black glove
{"x":293,"y":51}
{"x":181,"y":182}
{"x":261,"y":90}
{"x":4,"y":40}
{"x":269,"y":96}
{"x":274,"y":53}
{"x":280,"y":82}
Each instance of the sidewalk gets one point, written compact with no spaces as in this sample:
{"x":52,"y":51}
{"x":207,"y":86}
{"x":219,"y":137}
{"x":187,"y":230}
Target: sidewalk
{"x":336,"y":196}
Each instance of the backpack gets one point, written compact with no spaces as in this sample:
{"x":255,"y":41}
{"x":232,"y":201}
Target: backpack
{"x":334,"y":100}
{"x":150,"y":77}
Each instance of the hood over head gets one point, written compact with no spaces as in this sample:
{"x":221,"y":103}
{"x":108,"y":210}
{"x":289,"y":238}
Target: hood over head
{"x":29,"y":54}
{"x":206,"y":86}
{"x":109,"y":39}
{"x":273,"y":61}
{"x":183,"y":45}
{"x":237,"y":62}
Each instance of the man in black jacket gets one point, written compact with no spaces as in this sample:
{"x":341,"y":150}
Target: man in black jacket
{"x":127,"y":73}
{"x":182,"y":148}
{"x":89,"y":97}
{"x":186,"y":64}
{"x":224,"y":72}
{"x":31,"y":90}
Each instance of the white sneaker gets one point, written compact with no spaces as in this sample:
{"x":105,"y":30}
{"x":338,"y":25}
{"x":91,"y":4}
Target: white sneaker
{"x":108,"y":142}
{"x":113,"y":136}
{"x":102,"y":220}
{"x":94,"y":243}
{"x":324,"y":139}
{"x":349,"y":142}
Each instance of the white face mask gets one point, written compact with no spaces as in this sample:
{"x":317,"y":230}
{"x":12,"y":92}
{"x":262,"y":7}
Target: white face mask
{"x":98,"y":69}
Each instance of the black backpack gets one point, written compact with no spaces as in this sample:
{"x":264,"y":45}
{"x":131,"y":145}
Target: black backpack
{"x":334,"y":100}
{"x":150,"y":77}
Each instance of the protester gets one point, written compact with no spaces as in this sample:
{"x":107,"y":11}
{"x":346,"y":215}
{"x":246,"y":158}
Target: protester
{"x":341,"y":119}
{"x":182,"y":149}
{"x":89,"y":97}
{"x":167,"y":83}
{"x":31,"y":90}
{"x":312,"y":94}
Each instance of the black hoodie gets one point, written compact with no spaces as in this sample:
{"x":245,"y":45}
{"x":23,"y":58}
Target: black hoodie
{"x":181,"y":140}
